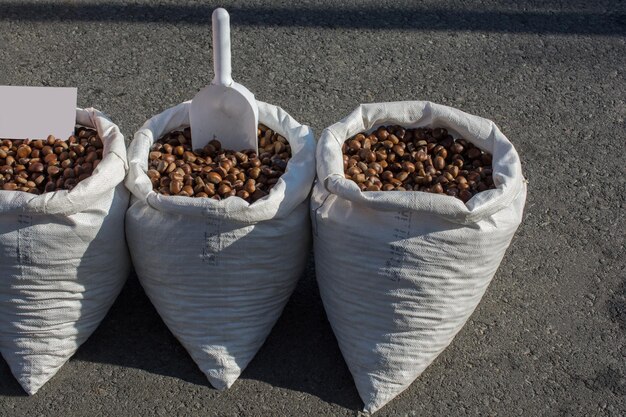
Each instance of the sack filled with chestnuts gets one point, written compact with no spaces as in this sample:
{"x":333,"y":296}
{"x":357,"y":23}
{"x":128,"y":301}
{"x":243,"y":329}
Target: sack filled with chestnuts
{"x":63,"y":256}
{"x":218,"y":237}
{"x":414,"y":207}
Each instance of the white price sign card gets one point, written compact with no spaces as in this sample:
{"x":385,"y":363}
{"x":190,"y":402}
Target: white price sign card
{"x":36,"y":112}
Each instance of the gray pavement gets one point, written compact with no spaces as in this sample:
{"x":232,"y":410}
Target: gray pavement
{"x":549,"y":337}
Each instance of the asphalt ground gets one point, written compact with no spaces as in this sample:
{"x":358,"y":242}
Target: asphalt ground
{"x":549,"y":337}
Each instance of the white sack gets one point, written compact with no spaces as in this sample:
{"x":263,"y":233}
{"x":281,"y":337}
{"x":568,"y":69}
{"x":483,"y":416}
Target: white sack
{"x":220,"y":272}
{"x":63,"y":261}
{"x":400,"y":272}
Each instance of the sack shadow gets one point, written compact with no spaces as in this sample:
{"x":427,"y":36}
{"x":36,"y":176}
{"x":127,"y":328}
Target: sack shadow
{"x":133,"y":335}
{"x":9,"y":386}
{"x":301,"y":352}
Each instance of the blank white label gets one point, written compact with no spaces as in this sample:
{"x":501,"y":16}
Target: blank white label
{"x":36,"y":112}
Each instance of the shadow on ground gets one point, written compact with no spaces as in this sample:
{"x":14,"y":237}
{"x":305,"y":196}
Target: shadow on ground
{"x":301,"y":352}
{"x":521,"y":20}
{"x":9,"y":385}
{"x":617,"y":306}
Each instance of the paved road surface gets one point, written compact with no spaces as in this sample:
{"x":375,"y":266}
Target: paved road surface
{"x":549,"y":337}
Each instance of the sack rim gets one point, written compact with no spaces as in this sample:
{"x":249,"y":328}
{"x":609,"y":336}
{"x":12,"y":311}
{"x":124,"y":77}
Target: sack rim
{"x":109,"y":174}
{"x":482,"y":205}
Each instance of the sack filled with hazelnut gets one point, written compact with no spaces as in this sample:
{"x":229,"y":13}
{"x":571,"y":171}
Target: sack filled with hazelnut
{"x":413,"y":210}
{"x":63,"y":255}
{"x":219,"y":237}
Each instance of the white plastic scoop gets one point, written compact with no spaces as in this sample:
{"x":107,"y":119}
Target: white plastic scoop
{"x":224,"y":110}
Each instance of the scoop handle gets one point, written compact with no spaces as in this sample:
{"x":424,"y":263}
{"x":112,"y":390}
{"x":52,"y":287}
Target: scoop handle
{"x":221,"y":47}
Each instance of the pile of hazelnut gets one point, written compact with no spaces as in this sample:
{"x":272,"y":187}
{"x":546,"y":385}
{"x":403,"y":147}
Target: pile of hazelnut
{"x":213,"y":172}
{"x":393,"y":158}
{"x":41,"y":166}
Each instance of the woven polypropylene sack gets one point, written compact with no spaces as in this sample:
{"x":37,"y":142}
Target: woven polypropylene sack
{"x":220,"y":272}
{"x":63,"y":261}
{"x":400,"y":272}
